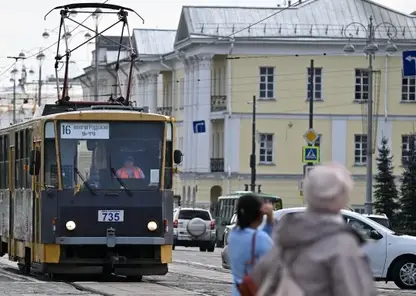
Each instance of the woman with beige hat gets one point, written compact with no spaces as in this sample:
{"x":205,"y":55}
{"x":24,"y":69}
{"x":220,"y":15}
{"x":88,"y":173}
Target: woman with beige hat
{"x":315,"y":252}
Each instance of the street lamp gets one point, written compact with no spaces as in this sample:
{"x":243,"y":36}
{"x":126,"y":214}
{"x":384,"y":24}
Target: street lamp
{"x":370,"y":50}
{"x":13,"y":79}
{"x":40,"y":57}
{"x":96,"y":16}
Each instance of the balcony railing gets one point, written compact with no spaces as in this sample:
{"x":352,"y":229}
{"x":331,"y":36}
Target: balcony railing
{"x":164,"y":111}
{"x":218,"y":103}
{"x":217,"y":165}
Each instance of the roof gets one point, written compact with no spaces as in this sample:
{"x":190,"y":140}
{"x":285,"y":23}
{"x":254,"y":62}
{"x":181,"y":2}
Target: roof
{"x":311,"y":19}
{"x":154,"y":41}
{"x":112,"y":42}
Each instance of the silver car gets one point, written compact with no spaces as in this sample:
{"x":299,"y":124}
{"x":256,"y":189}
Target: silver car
{"x":194,"y":227}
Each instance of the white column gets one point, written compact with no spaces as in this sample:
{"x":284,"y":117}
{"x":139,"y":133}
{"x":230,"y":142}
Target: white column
{"x":187,"y":124}
{"x":152,"y":98}
{"x":141,"y":92}
{"x":194,"y":110}
{"x":204,"y":113}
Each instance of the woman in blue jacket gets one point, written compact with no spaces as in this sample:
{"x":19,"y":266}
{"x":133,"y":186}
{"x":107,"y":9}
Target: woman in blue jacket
{"x":250,"y":211}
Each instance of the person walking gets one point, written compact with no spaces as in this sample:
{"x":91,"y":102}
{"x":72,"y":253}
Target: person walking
{"x":315,"y":252}
{"x":247,"y":243}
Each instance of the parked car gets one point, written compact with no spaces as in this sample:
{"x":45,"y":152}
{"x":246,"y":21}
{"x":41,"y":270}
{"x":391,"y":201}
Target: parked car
{"x":392,"y":255}
{"x":194,"y":227}
{"x":381,"y":219}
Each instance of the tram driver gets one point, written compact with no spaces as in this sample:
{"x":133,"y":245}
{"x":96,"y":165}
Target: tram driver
{"x":129,"y":170}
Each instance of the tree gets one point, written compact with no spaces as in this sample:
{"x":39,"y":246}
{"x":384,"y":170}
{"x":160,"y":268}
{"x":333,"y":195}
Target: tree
{"x":385,"y":190}
{"x":408,"y":193}
{"x":413,"y":13}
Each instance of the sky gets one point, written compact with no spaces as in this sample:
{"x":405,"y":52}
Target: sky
{"x":23,"y":24}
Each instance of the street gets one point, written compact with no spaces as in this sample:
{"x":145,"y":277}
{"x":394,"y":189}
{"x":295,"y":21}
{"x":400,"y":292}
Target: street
{"x":192,"y":273}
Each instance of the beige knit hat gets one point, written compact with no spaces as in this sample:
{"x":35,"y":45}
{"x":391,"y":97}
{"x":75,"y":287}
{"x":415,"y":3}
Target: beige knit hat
{"x":327,"y":188}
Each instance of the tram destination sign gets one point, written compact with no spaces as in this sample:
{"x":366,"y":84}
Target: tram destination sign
{"x":85,"y":130}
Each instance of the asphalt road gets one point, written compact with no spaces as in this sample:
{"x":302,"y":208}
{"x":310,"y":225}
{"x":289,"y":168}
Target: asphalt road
{"x":192,"y":273}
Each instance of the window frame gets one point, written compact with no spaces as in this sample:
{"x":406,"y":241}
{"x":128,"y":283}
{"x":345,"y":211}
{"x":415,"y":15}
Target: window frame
{"x":266,"y":154}
{"x":266,"y":83}
{"x":363,"y":151}
{"x":315,"y":83}
{"x":405,"y":155}
{"x":406,"y":93}
{"x":363,"y":95}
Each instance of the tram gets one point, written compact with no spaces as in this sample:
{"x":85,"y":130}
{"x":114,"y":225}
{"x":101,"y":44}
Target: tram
{"x":86,"y":187}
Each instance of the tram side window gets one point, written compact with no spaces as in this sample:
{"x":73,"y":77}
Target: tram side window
{"x":51,"y":169}
{"x":2,"y":166}
{"x":28,"y":146}
{"x":6,"y":146}
{"x":16,"y":160}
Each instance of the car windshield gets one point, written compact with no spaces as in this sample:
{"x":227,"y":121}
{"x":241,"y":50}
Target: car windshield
{"x":111,"y":155}
{"x":191,"y":214}
{"x":383,"y":221}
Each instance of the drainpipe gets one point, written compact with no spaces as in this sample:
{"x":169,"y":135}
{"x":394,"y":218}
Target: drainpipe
{"x":386,"y":88}
{"x":229,"y":74}
{"x":229,"y":94}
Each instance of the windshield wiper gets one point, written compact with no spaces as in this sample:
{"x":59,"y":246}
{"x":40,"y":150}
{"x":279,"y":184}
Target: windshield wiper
{"x":85,"y":181}
{"x":113,"y":171}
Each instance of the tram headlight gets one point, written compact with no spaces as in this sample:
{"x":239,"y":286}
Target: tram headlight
{"x":152,"y":225}
{"x":70,"y":225}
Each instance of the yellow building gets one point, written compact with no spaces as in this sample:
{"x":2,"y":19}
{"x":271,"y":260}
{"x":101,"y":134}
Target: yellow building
{"x":204,"y":76}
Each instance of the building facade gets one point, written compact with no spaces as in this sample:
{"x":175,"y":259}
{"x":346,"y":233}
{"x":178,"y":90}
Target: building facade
{"x":197,"y":74}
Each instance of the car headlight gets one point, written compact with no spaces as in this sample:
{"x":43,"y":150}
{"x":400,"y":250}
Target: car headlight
{"x":70,"y":225}
{"x":152,"y":225}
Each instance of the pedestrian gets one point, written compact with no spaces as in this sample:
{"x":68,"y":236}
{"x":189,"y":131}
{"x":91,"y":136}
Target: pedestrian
{"x":247,"y":243}
{"x":315,"y":252}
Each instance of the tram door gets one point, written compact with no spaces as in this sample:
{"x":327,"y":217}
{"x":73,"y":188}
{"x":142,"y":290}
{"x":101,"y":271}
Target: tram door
{"x":36,"y":187}
{"x":11,"y":201}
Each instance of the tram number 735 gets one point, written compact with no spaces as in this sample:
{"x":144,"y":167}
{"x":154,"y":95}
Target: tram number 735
{"x":110,"y":216}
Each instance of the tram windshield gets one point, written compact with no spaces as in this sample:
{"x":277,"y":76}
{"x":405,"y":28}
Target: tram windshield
{"x":111,"y":155}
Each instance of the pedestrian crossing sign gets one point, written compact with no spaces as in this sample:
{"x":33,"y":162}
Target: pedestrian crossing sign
{"x":310,"y":154}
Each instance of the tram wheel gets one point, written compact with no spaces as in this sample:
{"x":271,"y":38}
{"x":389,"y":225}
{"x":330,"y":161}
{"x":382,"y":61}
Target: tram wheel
{"x":134,"y":278}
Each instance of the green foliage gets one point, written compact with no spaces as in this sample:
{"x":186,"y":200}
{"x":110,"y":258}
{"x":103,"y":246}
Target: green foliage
{"x":385,"y":190}
{"x":413,"y":13}
{"x":408,"y":193}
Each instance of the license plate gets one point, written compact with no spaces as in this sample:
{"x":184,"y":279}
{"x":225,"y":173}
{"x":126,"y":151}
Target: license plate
{"x":110,"y":216}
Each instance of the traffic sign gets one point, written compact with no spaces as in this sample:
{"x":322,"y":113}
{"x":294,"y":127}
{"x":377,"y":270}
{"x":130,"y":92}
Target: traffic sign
{"x":310,"y":136}
{"x":199,"y":126}
{"x":310,"y":154}
{"x":409,"y":63}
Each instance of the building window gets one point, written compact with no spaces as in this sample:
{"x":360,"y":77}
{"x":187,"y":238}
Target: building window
{"x":267,"y":83}
{"x":409,"y":89}
{"x":266,"y":148}
{"x":317,"y":83}
{"x":406,"y":148}
{"x":360,"y":151}
{"x":318,"y":142}
{"x":361,"y":85}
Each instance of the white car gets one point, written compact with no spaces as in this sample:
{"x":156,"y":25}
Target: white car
{"x":392,"y":255}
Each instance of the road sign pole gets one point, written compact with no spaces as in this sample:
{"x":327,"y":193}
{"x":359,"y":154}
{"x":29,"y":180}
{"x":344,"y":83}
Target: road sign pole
{"x":311,"y":97}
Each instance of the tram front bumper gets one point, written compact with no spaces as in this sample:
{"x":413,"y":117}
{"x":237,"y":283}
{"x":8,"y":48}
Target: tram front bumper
{"x":110,"y":241}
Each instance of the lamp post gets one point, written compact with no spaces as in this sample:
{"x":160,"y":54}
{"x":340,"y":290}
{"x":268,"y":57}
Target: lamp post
{"x":370,"y":50}
{"x":40,"y":57}
{"x":13,"y":79}
{"x":96,"y":16}
{"x":21,"y":56}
